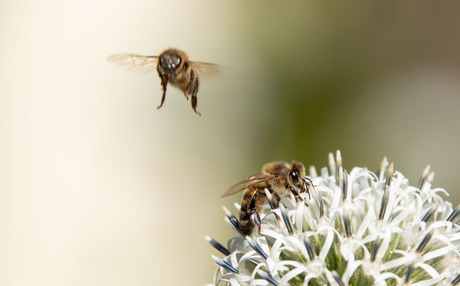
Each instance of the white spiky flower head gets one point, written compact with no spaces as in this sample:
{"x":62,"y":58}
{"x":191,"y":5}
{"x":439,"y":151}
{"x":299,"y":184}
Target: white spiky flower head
{"x":356,"y":228}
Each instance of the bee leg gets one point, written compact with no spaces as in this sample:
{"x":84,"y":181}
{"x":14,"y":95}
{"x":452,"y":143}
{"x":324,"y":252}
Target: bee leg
{"x":194,"y":102}
{"x":164,"y":83}
{"x":276,"y":198}
{"x":162,"y":99}
{"x":308,"y":184}
{"x":296,"y":194}
{"x":255,"y":218}
{"x":192,"y":89}
{"x":255,"y":206}
{"x":187,"y":89}
{"x":190,"y":81}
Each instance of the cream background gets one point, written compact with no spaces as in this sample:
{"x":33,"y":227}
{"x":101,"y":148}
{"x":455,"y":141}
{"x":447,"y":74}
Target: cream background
{"x":97,"y":187}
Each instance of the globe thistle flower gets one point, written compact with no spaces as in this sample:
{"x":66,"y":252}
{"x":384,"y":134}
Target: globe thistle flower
{"x":356,"y":228}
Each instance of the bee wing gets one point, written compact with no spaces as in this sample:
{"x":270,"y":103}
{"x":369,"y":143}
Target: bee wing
{"x":248,"y":182}
{"x":206,"y":69}
{"x":138,"y":63}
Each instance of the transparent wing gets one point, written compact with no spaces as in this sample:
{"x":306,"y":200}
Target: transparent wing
{"x":137,"y":63}
{"x":248,"y":182}
{"x":206,"y":69}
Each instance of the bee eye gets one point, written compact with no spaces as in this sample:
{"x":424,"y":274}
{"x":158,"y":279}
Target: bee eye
{"x":294,"y":176}
{"x":178,"y":60}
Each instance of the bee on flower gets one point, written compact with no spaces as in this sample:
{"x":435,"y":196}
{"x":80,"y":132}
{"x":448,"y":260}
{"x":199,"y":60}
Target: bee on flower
{"x":356,"y":228}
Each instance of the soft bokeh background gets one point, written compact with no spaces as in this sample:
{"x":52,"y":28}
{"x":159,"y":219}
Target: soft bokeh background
{"x":97,"y":187}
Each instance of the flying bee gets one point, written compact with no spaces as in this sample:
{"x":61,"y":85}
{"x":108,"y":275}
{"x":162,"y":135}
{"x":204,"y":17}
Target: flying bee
{"x":174,"y":67}
{"x":280,"y":178}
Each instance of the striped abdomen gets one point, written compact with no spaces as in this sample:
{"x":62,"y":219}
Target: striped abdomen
{"x":251,"y":205}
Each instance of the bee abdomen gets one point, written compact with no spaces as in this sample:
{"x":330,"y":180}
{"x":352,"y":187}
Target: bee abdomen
{"x":246,"y":225}
{"x":251,"y":204}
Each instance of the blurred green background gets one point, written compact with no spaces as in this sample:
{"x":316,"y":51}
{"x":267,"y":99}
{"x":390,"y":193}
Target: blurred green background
{"x":97,"y":187}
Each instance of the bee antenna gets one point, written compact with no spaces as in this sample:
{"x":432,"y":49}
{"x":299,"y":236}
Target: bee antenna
{"x":307,"y":179}
{"x":309,"y":184}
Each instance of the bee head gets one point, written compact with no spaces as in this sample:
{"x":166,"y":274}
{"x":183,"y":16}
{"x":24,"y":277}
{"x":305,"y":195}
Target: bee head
{"x":169,"y":62}
{"x":296,"y":177}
